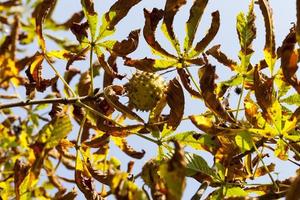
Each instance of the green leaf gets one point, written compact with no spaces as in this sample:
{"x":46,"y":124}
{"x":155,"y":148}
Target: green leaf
{"x":276,"y":114}
{"x":123,"y":188}
{"x":194,"y":140}
{"x":25,"y":188}
{"x":234,"y":192}
{"x":61,"y":54}
{"x":281,"y":150}
{"x":246,"y":32}
{"x":196,"y":13}
{"x":173,"y":174}
{"x":293,"y":99}
{"x":196,"y":163}
{"x":283,"y":86}
{"x":91,"y":15}
{"x":244,"y":141}
{"x":54,"y":131}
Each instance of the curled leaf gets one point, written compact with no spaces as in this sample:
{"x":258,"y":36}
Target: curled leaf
{"x":75,"y":56}
{"x":111,"y":93}
{"x":207,"y":86}
{"x":21,"y":171}
{"x":41,"y":12}
{"x":212,"y":32}
{"x":98,"y":141}
{"x":173,"y":173}
{"x":289,"y":59}
{"x":171,"y":8}
{"x":267,"y":14}
{"x":221,"y":57}
{"x":263,"y":87}
{"x":127,"y":149}
{"x":293,"y":191}
{"x":125,"y":47}
{"x":269,"y":49}
{"x":151,"y":65}
{"x":108,"y":69}
{"x":79,"y":30}
{"x":298,"y":22}
{"x":98,"y":175}
{"x":186,"y":82}
{"x":116,"y":12}
{"x":151,"y":21}
{"x":34,"y":74}
{"x":175,"y":99}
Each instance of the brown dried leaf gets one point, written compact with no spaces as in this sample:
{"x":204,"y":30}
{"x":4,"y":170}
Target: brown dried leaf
{"x":108,"y":79}
{"x":34,"y":74}
{"x":69,"y":75}
{"x":126,"y":148}
{"x":263,"y":87}
{"x":270,"y":37}
{"x":111,"y":71}
{"x":261,"y":171}
{"x":171,"y":8}
{"x":298,"y":22}
{"x":186,"y":82}
{"x":104,"y":178}
{"x":293,"y":192}
{"x":75,"y":18}
{"x":111,"y":93}
{"x":151,"y":65}
{"x":86,"y":186}
{"x":116,"y":12}
{"x":77,"y":56}
{"x":21,"y":170}
{"x":207,"y":85}
{"x":289,"y":59}
{"x":80,"y":31}
{"x":175,"y":99}
{"x":127,"y":46}
{"x":98,"y":142}
{"x":251,"y":110}
{"x":221,"y":57}
{"x":151,"y":21}
{"x":84,"y":84}
{"x":69,"y":196}
{"x":41,"y":12}
{"x":212,"y":32}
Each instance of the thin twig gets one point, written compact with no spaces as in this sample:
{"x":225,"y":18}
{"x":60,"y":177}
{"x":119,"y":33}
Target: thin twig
{"x":72,"y":100}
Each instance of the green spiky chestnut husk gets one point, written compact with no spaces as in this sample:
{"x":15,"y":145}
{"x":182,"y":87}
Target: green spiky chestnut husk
{"x":144,"y":90}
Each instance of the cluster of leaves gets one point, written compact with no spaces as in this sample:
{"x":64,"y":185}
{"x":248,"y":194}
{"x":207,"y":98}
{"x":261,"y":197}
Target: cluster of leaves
{"x":32,"y":143}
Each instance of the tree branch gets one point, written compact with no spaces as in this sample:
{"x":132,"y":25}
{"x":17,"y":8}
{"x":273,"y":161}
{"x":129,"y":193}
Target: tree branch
{"x":72,"y":100}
